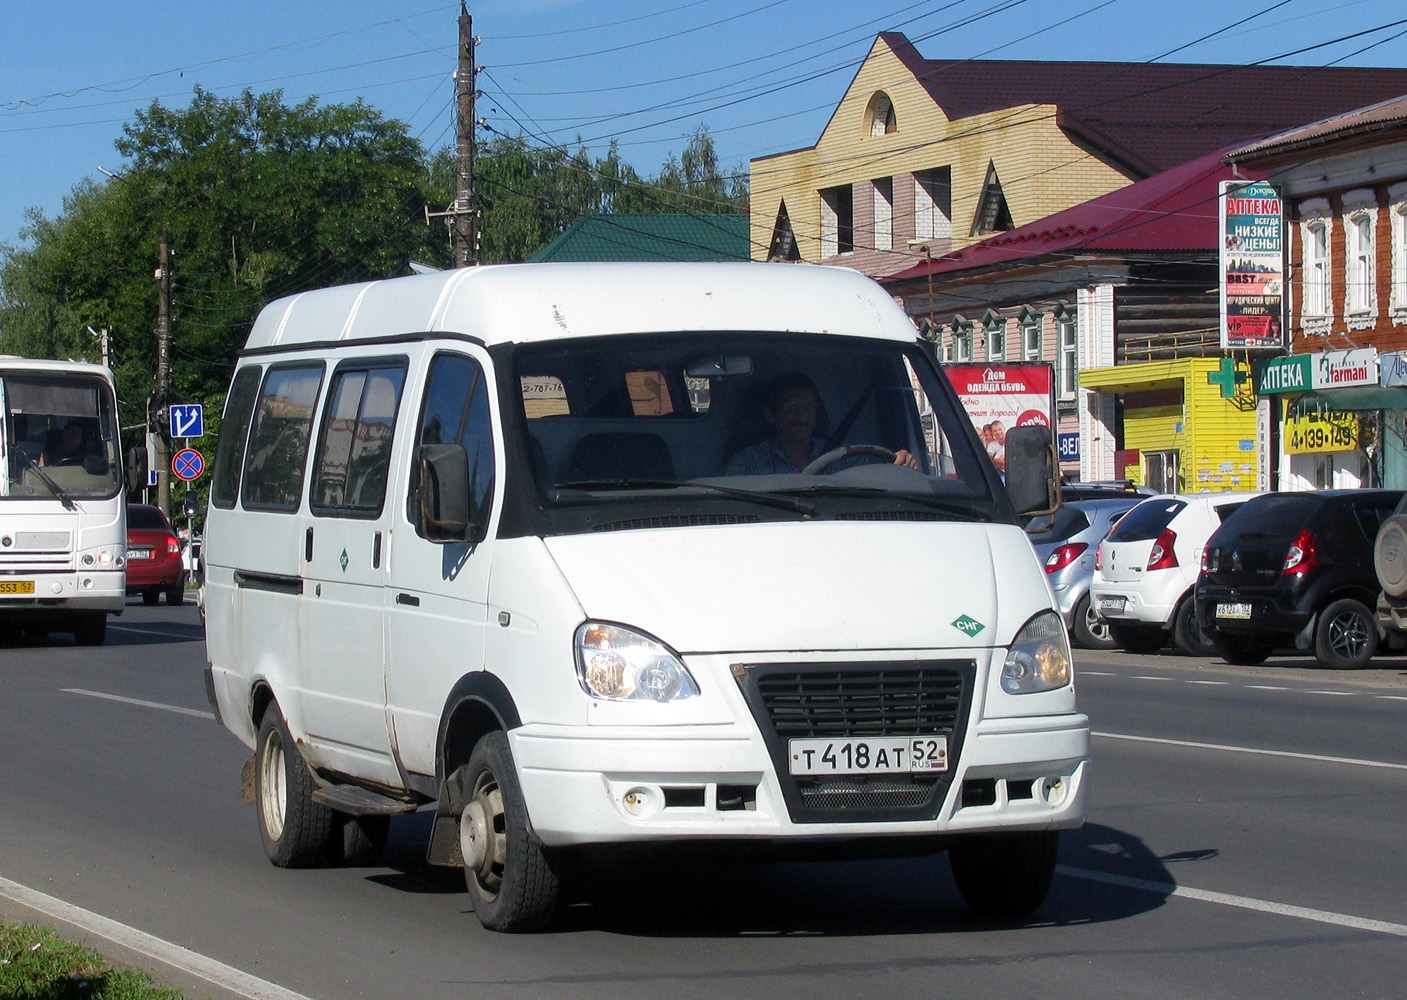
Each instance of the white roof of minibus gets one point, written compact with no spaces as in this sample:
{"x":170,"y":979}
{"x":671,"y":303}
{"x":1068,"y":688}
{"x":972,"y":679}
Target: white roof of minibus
{"x":13,"y":362}
{"x":536,"y":302}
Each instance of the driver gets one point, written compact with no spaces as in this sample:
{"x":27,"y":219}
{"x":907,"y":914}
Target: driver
{"x":67,"y":447}
{"x":791,"y":410}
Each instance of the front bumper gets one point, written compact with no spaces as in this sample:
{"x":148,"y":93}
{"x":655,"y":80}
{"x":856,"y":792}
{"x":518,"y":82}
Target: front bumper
{"x":94,"y":590}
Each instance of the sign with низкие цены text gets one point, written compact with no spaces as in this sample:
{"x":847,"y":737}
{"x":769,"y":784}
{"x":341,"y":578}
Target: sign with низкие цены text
{"x":1252,"y":265}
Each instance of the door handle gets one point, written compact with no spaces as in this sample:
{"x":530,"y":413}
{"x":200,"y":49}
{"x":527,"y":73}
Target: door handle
{"x":308,"y":546}
{"x":376,"y":550}
{"x":410,"y":600}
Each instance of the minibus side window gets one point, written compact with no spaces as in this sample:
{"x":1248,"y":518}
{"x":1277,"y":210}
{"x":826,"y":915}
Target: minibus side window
{"x":456,"y":411}
{"x":278,"y":440}
{"x":229,"y":453}
{"x":354,"y":451}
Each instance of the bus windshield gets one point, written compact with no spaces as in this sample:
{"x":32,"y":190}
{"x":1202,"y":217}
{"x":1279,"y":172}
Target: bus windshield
{"x":60,"y":437}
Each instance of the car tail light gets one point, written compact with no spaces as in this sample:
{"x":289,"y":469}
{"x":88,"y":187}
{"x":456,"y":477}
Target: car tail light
{"x":1162,"y":555}
{"x":1206,"y":558}
{"x":1301,"y":558}
{"x":173,"y":545}
{"x":1064,"y":556}
{"x":1098,"y":556}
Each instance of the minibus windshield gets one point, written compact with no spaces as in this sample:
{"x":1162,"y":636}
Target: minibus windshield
{"x":783,"y":425}
{"x":60,"y":438}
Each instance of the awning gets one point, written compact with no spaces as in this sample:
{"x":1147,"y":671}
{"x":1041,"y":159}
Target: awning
{"x":1349,"y":398}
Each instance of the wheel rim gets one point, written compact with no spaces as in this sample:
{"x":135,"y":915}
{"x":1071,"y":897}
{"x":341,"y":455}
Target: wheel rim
{"x":271,"y":790}
{"x":1348,"y":636}
{"x":483,"y":838}
{"x":1096,"y":626}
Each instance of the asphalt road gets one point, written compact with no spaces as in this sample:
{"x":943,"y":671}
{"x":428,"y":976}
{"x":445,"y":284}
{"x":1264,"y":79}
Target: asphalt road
{"x":1245,"y":840}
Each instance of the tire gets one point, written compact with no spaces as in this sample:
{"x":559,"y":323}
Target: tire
{"x":1188,"y":633}
{"x":1138,"y":638}
{"x":176,"y":595}
{"x":1346,"y":635}
{"x":1088,"y":629}
{"x":1004,"y":874}
{"x":1390,"y":556}
{"x":356,"y":841}
{"x":90,"y":628}
{"x":1240,"y":651}
{"x":509,"y":875}
{"x":151,"y":595}
{"x":293,"y":827}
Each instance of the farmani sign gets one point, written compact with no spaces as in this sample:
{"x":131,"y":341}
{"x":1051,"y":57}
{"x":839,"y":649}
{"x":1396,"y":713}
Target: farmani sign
{"x":1252,"y":265}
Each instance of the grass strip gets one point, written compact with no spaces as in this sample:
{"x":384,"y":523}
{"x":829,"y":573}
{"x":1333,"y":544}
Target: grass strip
{"x":37,"y":964}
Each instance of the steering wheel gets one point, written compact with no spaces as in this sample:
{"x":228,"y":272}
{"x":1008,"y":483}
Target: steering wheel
{"x":847,"y":451}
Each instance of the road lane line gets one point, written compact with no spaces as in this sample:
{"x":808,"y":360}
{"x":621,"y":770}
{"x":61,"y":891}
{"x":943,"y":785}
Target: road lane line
{"x":1255,"y":750}
{"x":1149,"y":677}
{"x":143,"y":704}
{"x":178,"y":957}
{"x":149,"y":631}
{"x":1267,"y":687}
{"x":1212,"y":683}
{"x":1243,"y":902}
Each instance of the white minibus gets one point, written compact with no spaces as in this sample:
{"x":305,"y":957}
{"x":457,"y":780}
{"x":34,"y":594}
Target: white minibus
{"x":63,"y":534}
{"x":592,"y":558}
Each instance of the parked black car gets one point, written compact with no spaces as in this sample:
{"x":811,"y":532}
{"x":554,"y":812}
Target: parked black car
{"x":1295,"y":569}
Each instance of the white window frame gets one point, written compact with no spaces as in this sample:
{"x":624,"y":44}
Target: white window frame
{"x":1067,"y":367}
{"x":1032,"y":348}
{"x":1397,"y":215}
{"x":1360,"y":210}
{"x":883,"y":201}
{"x":962,"y":340}
{"x":994,"y":333}
{"x":1317,"y":289}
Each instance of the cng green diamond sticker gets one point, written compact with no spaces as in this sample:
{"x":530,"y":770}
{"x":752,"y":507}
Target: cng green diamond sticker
{"x":969,"y":626}
{"x":343,"y":560}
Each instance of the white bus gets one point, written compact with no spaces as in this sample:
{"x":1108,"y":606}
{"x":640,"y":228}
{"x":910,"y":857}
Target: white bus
{"x":63,"y":530}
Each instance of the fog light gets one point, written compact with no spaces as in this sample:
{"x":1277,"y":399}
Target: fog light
{"x":87,"y":583}
{"x":1053,"y":790}
{"x":640,"y":802}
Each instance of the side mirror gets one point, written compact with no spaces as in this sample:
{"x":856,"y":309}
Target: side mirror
{"x":136,"y":466}
{"x":1032,"y":470}
{"x":444,"y":510}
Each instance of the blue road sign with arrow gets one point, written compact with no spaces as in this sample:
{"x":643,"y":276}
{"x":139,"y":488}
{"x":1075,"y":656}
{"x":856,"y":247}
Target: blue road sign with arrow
{"x":187,"y":420}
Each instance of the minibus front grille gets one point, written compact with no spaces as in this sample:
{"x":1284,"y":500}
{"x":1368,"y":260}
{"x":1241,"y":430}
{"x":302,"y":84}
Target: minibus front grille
{"x":677,"y":521}
{"x":35,"y":562}
{"x":849,"y":701}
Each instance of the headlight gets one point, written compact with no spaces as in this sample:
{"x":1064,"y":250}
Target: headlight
{"x":617,"y":664}
{"x":1039,"y":657}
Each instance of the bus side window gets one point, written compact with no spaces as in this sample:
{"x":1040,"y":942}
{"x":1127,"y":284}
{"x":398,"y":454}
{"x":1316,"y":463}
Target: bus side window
{"x":234,"y":428}
{"x":456,"y":411}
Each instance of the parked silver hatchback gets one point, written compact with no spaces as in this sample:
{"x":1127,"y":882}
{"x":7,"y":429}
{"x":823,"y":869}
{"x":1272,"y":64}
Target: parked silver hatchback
{"x":1066,"y":543}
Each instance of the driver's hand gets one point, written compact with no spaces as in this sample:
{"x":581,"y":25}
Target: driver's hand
{"x":904,"y":458}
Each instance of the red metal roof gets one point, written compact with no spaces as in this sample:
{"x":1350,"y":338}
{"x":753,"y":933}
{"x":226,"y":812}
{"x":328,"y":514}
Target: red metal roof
{"x":1168,"y":212}
{"x":1375,"y":117}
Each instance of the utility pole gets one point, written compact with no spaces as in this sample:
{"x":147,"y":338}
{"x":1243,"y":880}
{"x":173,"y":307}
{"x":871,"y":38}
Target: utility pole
{"x":466,"y":226}
{"x":163,"y":373}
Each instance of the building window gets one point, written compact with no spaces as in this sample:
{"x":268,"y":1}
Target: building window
{"x":884,"y":213}
{"x":994,"y":326}
{"x":1360,"y":275}
{"x":1398,"y":217}
{"x":1031,"y":347}
{"x":962,"y":340}
{"x":1316,"y":231}
{"x":933,"y":204}
{"x":837,"y":221}
{"x":1067,"y":366}
{"x":879,"y":116}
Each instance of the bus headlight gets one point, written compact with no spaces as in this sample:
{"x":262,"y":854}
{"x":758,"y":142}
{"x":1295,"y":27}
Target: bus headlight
{"x":618,"y":664}
{"x":1039,"y":657}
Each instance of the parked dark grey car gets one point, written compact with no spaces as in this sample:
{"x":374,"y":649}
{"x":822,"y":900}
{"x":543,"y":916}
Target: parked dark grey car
{"x":1066,"y":542}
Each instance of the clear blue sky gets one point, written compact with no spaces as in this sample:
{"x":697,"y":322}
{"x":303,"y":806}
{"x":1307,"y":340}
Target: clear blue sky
{"x":763,"y":74}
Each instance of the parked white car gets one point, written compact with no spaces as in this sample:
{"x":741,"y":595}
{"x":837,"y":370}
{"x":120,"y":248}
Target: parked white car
{"x":1147,"y":567}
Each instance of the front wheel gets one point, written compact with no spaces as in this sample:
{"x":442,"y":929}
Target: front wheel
{"x":293,"y":827}
{"x":1138,"y":638}
{"x":1004,"y":874}
{"x":1188,"y":633}
{"x":1346,"y":635}
{"x":509,"y":875}
{"x":1089,"y":630}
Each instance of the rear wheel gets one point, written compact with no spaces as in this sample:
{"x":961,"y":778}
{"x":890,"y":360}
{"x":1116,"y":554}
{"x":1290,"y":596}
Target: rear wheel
{"x":176,"y":594}
{"x":1346,"y":635}
{"x":1240,"y":651}
{"x":1138,"y":638}
{"x":1188,"y":633}
{"x":90,"y":628}
{"x":293,"y":827}
{"x":511,"y":881}
{"x":1004,"y":874}
{"x":1090,"y":631}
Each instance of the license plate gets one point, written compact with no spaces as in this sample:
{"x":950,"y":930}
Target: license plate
{"x":1233,"y":611}
{"x":1115,"y":604}
{"x":139,"y":553}
{"x":17,"y":587}
{"x":873,"y":755}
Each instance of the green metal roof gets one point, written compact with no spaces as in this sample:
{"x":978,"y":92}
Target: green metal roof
{"x":692,"y":236}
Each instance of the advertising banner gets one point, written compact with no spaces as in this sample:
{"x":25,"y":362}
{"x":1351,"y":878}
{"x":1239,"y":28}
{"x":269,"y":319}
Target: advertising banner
{"x":1000,"y":396}
{"x":1252,"y":265}
{"x":1320,"y":432}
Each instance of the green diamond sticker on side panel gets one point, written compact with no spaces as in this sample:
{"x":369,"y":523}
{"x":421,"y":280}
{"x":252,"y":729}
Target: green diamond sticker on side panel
{"x":969,"y":626}
{"x":343,"y":561}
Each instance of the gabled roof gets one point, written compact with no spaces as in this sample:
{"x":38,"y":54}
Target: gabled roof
{"x":1151,"y":116}
{"x":1171,"y":212}
{"x":1380,"y":117}
{"x":647,"y":236}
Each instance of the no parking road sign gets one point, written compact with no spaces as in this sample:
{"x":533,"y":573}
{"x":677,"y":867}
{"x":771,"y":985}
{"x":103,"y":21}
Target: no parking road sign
{"x":188,"y":464}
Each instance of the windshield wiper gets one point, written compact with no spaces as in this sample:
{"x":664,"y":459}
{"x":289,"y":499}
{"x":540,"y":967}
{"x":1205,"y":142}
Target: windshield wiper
{"x":62,"y":497}
{"x":754,"y":496}
{"x":962,"y":508}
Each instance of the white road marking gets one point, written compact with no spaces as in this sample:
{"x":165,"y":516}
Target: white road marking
{"x":1254,"y":750}
{"x":1268,"y":687}
{"x":1212,"y":683}
{"x":222,"y":975}
{"x":1243,"y":902}
{"x":1392,"y":697}
{"x":1147,"y":677}
{"x":148,"y":631}
{"x":143,"y":704}
{"x":1335,"y":694}
{"x":1099,"y":673}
